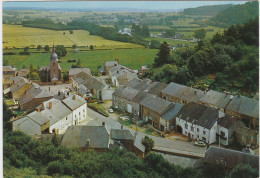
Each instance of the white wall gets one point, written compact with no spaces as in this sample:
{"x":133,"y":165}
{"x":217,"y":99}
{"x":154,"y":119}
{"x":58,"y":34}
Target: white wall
{"x":80,"y":114}
{"x":223,"y":129}
{"x":62,"y":124}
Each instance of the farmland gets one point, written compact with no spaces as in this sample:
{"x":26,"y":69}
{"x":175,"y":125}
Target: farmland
{"x":19,"y":37}
{"x":133,"y":58}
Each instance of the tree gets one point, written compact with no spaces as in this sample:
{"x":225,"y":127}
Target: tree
{"x":71,"y":31}
{"x":61,"y":50}
{"x":155,"y":44}
{"x":26,"y":49}
{"x":200,"y":33}
{"x":46,"y":48}
{"x":66,"y":76}
{"x":163,"y":55}
{"x":148,"y":143}
{"x":145,"y":31}
{"x":91,"y":47}
{"x":39,"y":47}
{"x":170,"y":33}
{"x":244,"y":170}
{"x":74,"y":46}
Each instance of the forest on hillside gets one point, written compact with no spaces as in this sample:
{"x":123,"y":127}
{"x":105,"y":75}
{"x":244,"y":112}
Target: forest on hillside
{"x":206,"y":10}
{"x":229,"y":61}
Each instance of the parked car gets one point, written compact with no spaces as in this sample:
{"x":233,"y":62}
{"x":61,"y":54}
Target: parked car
{"x":124,"y":117}
{"x":200,"y":143}
{"x":116,"y":107}
{"x":111,"y":110}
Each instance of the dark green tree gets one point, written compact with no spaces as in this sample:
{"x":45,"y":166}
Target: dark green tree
{"x":155,"y":44}
{"x":66,"y":76}
{"x":163,"y":56}
{"x":46,"y":48}
{"x":26,"y":49}
{"x":39,"y":47}
{"x":244,"y":170}
{"x":148,"y":143}
{"x":91,"y":47}
{"x":200,"y":34}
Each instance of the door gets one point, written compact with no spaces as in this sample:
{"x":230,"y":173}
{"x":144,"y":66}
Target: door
{"x":129,"y":108}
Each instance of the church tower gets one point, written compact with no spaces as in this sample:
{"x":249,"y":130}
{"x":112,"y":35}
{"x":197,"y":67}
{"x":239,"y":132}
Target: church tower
{"x":55,"y":69}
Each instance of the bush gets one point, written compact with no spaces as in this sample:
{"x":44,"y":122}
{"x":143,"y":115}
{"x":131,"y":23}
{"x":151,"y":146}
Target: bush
{"x":55,"y":167}
{"x":148,"y":143}
{"x":244,"y":171}
{"x":46,"y":48}
{"x":9,"y":53}
{"x":24,"y":53}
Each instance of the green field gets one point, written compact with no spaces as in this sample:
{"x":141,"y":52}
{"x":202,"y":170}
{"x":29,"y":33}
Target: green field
{"x":171,"y":41}
{"x":18,"y":36}
{"x":132,"y":58}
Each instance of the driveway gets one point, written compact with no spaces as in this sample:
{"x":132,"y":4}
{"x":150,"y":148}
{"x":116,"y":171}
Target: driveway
{"x":158,"y":141}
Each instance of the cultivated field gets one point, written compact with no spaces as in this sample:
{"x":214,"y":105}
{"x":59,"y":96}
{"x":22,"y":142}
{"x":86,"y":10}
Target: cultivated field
{"x":18,"y":36}
{"x":133,"y":58}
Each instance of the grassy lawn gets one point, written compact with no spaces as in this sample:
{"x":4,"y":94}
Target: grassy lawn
{"x":132,"y":58}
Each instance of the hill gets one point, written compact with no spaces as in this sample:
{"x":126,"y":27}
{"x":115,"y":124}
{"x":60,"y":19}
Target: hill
{"x":206,"y":10}
{"x":236,"y":14}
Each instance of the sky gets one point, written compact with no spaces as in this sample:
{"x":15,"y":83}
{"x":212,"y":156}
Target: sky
{"x":153,"y":5}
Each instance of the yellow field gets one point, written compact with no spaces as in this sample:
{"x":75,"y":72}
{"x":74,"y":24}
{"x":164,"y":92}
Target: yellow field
{"x":19,"y":37}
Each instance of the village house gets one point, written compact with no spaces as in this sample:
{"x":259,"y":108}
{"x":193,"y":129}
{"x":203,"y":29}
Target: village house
{"x":141,"y":95}
{"x":60,"y":114}
{"x":23,"y":73}
{"x":35,"y":123}
{"x":216,"y":100}
{"x":78,"y":106}
{"x":157,"y":88}
{"x":246,"y":109}
{"x":198,"y":122}
{"x":33,"y":97}
{"x":152,"y":108}
{"x":245,"y":136}
{"x":121,"y":75}
{"x":125,"y":31}
{"x":85,"y":84}
{"x":130,"y":141}
{"x":104,"y":70}
{"x":18,"y":88}
{"x":141,"y":85}
{"x":122,"y":98}
{"x":226,"y":129}
{"x":167,"y":120}
{"x":9,"y":71}
{"x":87,"y":137}
{"x":228,"y":158}
{"x":75,"y":71}
{"x":181,"y":94}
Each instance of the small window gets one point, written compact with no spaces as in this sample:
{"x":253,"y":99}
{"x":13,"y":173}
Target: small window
{"x":186,"y":126}
{"x":198,"y":136}
{"x":66,"y":118}
{"x":198,"y":129}
{"x":222,"y":134}
{"x":204,"y":132}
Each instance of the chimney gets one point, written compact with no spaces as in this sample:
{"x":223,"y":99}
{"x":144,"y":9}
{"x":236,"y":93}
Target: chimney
{"x":103,"y":124}
{"x":50,"y":105}
{"x":122,"y":126}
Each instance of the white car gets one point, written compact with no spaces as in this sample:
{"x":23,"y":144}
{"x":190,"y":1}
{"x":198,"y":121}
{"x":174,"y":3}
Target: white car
{"x":111,"y":110}
{"x":116,"y":107}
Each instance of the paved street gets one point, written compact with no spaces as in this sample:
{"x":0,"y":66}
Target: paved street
{"x":159,"y":142}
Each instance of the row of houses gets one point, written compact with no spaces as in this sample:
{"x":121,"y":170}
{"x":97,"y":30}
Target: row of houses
{"x":53,"y":116}
{"x":184,"y":113}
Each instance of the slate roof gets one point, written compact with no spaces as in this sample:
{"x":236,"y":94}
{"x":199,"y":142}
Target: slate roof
{"x":125,"y":77}
{"x":156,"y":104}
{"x":27,"y":125}
{"x":245,"y":106}
{"x":126,"y":93}
{"x":216,"y":98}
{"x":23,"y":72}
{"x":226,"y":121}
{"x":157,"y":88}
{"x":199,"y":114}
{"x":78,"y":136}
{"x":140,"y":85}
{"x":172,"y":112}
{"x":73,"y":101}
{"x":57,"y":112}
{"x":111,"y":63}
{"x":88,"y":81}
{"x":183,"y":92}
{"x":140,"y":97}
{"x":75,"y":71}
{"x":38,"y":117}
{"x":230,"y":158}
{"x":17,"y":85}
{"x":8,"y":68}
{"x":34,"y":92}
{"x":121,"y":134}
{"x":102,"y":69}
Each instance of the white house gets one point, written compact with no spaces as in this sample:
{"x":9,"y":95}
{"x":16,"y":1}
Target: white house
{"x":198,"y":122}
{"x":53,"y":116}
{"x":226,"y":128}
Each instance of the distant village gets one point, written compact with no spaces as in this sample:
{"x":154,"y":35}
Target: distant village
{"x":212,"y":117}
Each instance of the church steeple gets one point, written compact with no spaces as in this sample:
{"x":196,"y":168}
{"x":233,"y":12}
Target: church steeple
{"x":54,"y":56}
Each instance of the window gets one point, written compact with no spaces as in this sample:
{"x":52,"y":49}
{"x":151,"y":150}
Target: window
{"x":79,"y":113}
{"x":203,"y":138}
{"x":222,"y":133}
{"x":186,"y":126}
{"x":198,"y":130}
{"x":204,"y":132}
{"x":192,"y":128}
{"x":66,"y":118}
{"x":198,"y":136}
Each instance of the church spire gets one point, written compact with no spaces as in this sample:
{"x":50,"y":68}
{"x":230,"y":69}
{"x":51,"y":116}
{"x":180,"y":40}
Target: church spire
{"x":53,"y":48}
